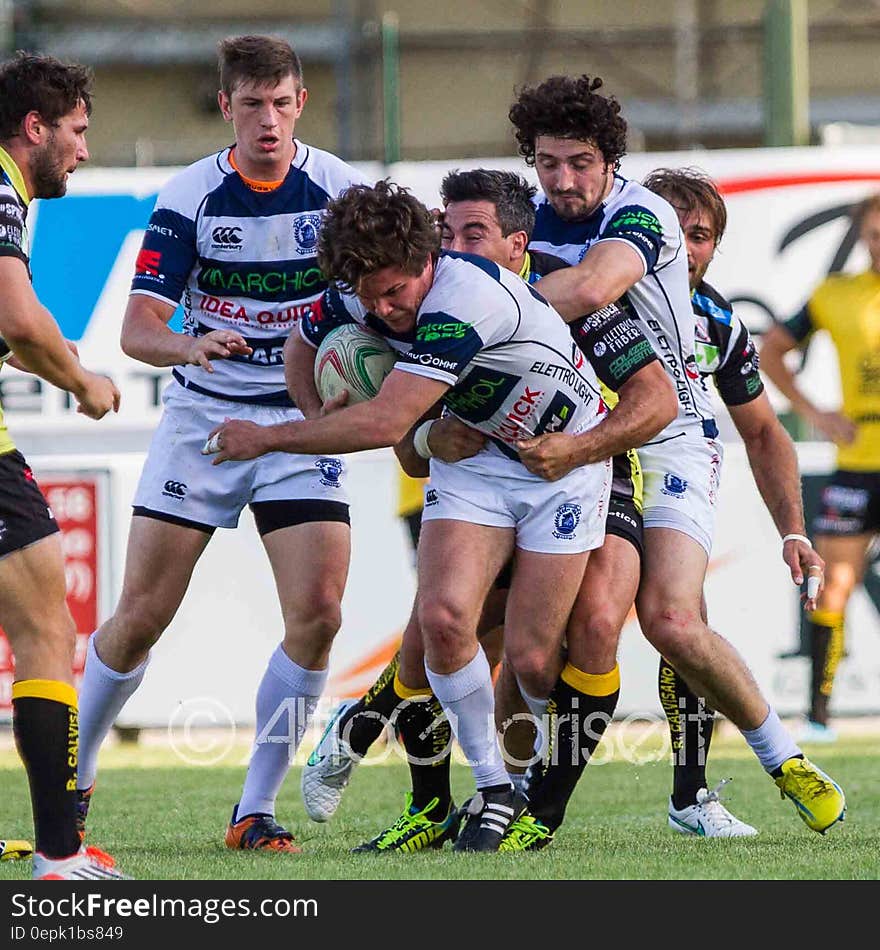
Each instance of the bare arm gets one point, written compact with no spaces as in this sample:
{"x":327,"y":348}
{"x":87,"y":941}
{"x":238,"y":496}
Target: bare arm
{"x":299,"y":374}
{"x":774,"y":464}
{"x":147,"y":337}
{"x":647,"y":404}
{"x":32,"y":333}
{"x":376,"y":423}
{"x":775,"y":344}
{"x":449,"y":440}
{"x":607,"y":271}
{"x":34,"y":337}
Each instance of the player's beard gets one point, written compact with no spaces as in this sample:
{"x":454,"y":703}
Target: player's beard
{"x":48,"y":174}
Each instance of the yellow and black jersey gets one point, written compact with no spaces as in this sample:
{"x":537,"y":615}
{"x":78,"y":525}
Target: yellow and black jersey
{"x":847,"y":306}
{"x":13,"y":242}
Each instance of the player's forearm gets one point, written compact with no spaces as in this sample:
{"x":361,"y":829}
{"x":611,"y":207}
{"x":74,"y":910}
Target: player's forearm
{"x":410,"y":461}
{"x":573,"y":294}
{"x":299,"y":375}
{"x":40,"y":348}
{"x":646,"y":406}
{"x":774,"y":464}
{"x":146,"y":336}
{"x":353,"y":429}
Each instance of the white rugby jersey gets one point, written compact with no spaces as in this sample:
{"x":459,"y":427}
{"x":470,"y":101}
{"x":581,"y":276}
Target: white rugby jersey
{"x":660,"y":300}
{"x":243,"y":260}
{"x":507,"y":354}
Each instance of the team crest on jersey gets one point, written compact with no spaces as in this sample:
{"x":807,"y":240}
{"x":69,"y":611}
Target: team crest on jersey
{"x":330,"y":469}
{"x":567,"y":518}
{"x":305,"y":233}
{"x":674,"y":485}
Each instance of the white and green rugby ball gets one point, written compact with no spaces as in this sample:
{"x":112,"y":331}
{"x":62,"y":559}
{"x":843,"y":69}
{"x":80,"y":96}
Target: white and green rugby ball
{"x":355,"y":358}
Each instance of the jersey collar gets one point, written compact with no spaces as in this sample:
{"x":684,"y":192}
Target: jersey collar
{"x":526,"y":268}
{"x":13,"y":172}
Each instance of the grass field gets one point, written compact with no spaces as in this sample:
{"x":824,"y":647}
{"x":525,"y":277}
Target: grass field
{"x":165,"y":821}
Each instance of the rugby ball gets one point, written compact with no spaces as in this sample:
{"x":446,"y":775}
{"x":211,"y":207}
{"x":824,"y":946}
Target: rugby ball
{"x":355,"y":358}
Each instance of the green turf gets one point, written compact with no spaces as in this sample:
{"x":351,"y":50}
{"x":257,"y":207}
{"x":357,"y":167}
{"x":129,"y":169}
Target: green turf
{"x":163,"y":821}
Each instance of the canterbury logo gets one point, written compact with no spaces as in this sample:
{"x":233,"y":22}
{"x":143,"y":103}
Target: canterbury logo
{"x":175,"y":489}
{"x":227,"y":235}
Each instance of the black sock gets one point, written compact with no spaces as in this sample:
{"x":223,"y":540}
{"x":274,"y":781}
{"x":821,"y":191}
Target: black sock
{"x":46,"y":729}
{"x":690,"y":730}
{"x":580,"y":708}
{"x":825,"y":630}
{"x":427,"y":738}
{"x":363,"y":723}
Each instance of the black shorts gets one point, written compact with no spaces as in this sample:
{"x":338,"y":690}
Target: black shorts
{"x":25,"y":516}
{"x":625,"y":521}
{"x":849,"y":505}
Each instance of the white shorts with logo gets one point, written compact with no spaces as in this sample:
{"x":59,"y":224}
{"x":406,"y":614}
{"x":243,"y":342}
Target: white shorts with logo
{"x":178,"y":480}
{"x":681,"y":481}
{"x":562,"y":517}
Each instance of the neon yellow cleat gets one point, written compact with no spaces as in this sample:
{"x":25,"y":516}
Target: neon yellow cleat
{"x":527,"y":833}
{"x":818,"y":798}
{"x":413,"y":831}
{"x":14,"y":850}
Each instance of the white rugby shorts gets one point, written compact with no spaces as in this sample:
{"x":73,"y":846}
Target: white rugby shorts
{"x":681,"y":481}
{"x":562,"y":517}
{"x":178,"y":480}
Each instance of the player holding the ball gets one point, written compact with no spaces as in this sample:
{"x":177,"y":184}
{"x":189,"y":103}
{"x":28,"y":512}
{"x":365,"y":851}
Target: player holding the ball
{"x":234,"y":237}
{"x":477,"y":336}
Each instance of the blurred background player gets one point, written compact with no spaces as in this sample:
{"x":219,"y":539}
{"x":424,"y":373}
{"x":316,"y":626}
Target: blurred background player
{"x":621,"y":238}
{"x":725,"y":353}
{"x":44,"y":114}
{"x":219,"y":231}
{"x":847,"y":306}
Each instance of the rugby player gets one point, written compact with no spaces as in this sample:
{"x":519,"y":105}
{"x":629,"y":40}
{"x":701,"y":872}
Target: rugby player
{"x":44,"y":113}
{"x":234,"y":237}
{"x":726,"y":353}
{"x":622,"y":240}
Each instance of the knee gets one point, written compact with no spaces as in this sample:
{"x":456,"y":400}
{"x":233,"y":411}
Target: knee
{"x":672,"y":631}
{"x":535,"y":669}
{"x":443,"y":625}
{"x":137,"y":623}
{"x":322,"y":619}
{"x":601,"y":630}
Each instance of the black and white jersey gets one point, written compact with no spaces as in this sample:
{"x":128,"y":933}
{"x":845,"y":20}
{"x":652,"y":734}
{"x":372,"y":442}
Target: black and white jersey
{"x":508,"y":357}
{"x":724,"y":347}
{"x":660,"y":300}
{"x":241,"y":259}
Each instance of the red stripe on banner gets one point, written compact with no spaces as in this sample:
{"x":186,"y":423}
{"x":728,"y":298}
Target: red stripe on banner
{"x":735,"y":186}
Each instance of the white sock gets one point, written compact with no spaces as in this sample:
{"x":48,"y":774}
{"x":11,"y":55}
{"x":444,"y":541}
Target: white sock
{"x":771,"y":742}
{"x":102,"y":694}
{"x":467,"y":696}
{"x":538,"y":709}
{"x":286,"y":699}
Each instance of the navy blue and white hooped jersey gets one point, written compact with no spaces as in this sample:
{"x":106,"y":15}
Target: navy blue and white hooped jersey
{"x":660,"y":300}
{"x":507,"y":355}
{"x":243,"y":260}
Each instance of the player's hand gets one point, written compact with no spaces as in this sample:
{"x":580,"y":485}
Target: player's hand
{"x":339,"y":401}
{"x":804,"y":562}
{"x":216,"y":345}
{"x":450,"y":440}
{"x":98,"y":396}
{"x":236,"y":441}
{"x":550,"y":456}
{"x":835,"y":427}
